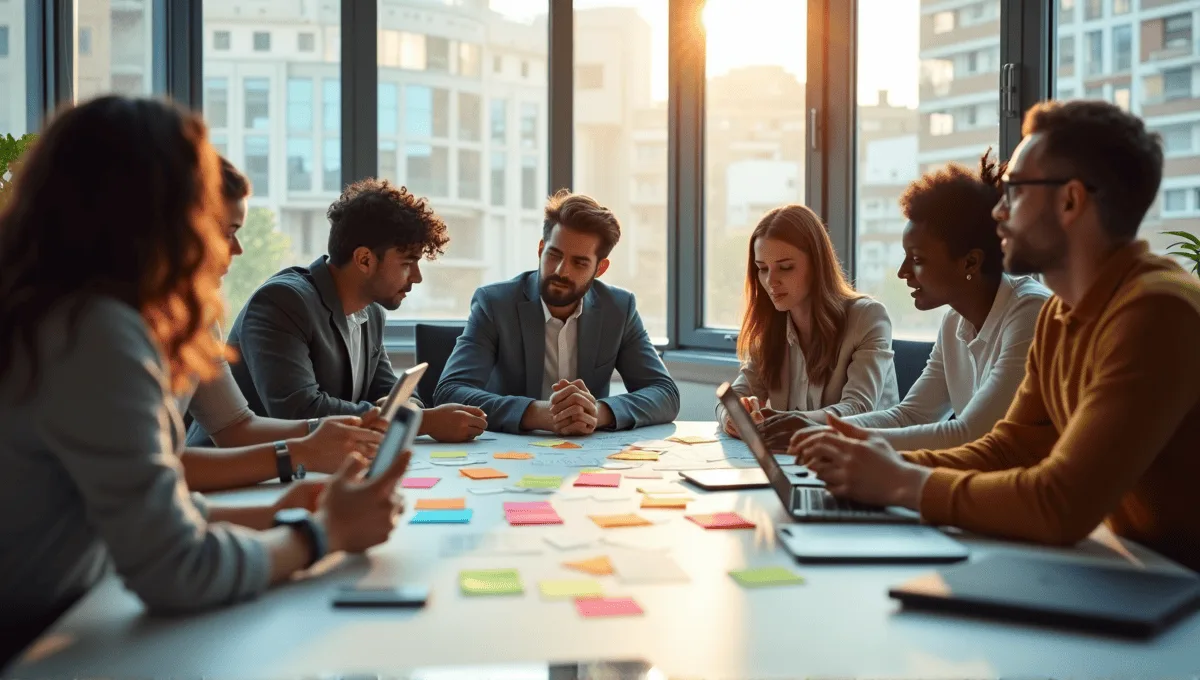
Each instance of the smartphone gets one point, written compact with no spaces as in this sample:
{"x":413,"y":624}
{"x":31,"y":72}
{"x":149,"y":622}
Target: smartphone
{"x":405,"y":385}
{"x":399,"y":597}
{"x":400,"y":436}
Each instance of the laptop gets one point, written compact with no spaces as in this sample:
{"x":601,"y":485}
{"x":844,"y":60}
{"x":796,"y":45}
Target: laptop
{"x":805,"y":503}
{"x":1116,"y":600}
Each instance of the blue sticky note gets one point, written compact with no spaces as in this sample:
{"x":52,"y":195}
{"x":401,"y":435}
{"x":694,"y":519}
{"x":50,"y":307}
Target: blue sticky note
{"x":442,"y":517}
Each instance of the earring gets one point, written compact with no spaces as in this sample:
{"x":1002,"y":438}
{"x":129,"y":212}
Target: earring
{"x":968,"y":277}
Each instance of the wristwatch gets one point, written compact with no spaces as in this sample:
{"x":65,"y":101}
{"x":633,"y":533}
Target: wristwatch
{"x":302,"y":521}
{"x":313,"y":424}
{"x":283,"y":463}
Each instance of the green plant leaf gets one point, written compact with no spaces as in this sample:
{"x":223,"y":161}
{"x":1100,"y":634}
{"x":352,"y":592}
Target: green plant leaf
{"x":1185,"y":246}
{"x":1184,"y":235}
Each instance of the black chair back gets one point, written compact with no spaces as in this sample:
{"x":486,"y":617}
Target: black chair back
{"x":911,"y":357}
{"x":434,"y":345}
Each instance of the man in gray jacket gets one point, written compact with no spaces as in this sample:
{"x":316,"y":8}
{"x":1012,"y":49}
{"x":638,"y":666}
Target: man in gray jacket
{"x":539,"y":351}
{"x":310,"y":339}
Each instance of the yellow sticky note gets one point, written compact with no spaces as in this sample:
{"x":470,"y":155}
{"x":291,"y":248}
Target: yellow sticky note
{"x":482,"y":473}
{"x":692,"y":439}
{"x":632,"y":454}
{"x":441,"y":504}
{"x":548,"y":443}
{"x":665,"y":502}
{"x":512,"y":455}
{"x":570,"y":589}
{"x":616,"y":521}
{"x":596,"y":566}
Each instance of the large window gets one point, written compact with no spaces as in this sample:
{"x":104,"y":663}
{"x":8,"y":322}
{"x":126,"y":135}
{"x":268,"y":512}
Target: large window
{"x":917,"y":111}
{"x":446,"y":136}
{"x":755,"y":136}
{"x":621,"y":140}
{"x":113,"y":50}
{"x":272,"y":95}
{"x":13,"y":112}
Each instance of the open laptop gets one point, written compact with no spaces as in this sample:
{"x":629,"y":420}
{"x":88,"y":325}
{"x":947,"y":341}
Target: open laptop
{"x":805,"y":503}
{"x":405,"y":385}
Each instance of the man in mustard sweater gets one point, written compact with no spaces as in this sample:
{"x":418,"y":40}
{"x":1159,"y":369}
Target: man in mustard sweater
{"x":1106,"y":425}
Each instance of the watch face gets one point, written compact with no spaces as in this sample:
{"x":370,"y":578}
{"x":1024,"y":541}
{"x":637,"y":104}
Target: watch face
{"x":300,"y":471}
{"x":291,"y":515}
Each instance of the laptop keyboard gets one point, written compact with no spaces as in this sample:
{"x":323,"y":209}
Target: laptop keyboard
{"x":821,"y":504}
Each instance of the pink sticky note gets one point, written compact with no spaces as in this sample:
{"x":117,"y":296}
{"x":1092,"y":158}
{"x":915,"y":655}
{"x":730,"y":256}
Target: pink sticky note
{"x":525,"y":506}
{"x":599,"y":479}
{"x":419,"y":482}
{"x":607,"y":606}
{"x":722,"y":520}
{"x":528,"y":517}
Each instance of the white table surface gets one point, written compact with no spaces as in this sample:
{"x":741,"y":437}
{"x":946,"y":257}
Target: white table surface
{"x":840,"y":623}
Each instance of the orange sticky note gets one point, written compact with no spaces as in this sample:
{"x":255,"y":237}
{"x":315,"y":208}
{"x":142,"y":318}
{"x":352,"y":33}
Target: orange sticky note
{"x":512,"y":455}
{"x":634,"y":454}
{"x":615,"y":521}
{"x":442,"y":504}
{"x":722,"y":520}
{"x":482,"y":473}
{"x":665,"y":502}
{"x":597,"y":566}
{"x":567,"y":445}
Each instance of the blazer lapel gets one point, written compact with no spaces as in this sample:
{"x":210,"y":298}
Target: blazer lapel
{"x":533,"y":335}
{"x":590,"y":325}
{"x":323,"y":280}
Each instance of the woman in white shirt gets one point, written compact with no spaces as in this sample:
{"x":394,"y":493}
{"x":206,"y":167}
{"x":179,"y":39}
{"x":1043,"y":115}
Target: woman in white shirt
{"x":953,"y":257}
{"x":809,"y":343}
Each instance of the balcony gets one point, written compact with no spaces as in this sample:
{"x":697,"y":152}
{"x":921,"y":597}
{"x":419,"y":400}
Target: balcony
{"x":1172,"y":53}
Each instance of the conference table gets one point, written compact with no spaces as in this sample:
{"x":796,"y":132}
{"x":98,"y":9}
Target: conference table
{"x":840,"y":622}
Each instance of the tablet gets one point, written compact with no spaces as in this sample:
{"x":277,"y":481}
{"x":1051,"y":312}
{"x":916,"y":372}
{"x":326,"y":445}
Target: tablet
{"x":844,"y":543}
{"x":726,"y":479}
{"x":405,"y":385}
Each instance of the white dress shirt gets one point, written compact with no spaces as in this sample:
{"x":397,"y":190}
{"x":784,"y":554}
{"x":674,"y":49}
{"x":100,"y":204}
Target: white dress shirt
{"x":973,"y":375}
{"x":358,"y":366}
{"x":562,"y":345}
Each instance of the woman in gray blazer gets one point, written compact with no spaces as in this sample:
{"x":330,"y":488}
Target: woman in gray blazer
{"x":110,"y":257}
{"x":809,"y":344}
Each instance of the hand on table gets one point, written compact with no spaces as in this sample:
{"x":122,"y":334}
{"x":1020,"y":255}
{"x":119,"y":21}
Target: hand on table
{"x":777,"y":427}
{"x":752,"y":407}
{"x":857,"y":466}
{"x":357,"y":512}
{"x":453,"y":422}
{"x":573,"y":409}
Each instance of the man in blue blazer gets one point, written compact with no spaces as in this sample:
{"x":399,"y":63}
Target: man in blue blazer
{"x":539,"y":351}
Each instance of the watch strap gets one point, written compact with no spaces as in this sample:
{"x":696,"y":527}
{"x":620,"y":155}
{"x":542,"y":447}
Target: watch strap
{"x":313,"y":532}
{"x":283,"y":462}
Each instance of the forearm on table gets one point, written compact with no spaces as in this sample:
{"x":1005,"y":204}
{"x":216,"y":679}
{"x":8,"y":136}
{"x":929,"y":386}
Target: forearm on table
{"x":260,"y":517}
{"x":259,"y":430}
{"x":208,"y":469}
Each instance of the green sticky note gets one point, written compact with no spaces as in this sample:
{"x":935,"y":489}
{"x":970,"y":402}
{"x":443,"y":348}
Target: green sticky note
{"x":570,"y":589}
{"x":766,"y":576}
{"x":448,"y":454}
{"x":490,"y":582}
{"x":540,"y":482}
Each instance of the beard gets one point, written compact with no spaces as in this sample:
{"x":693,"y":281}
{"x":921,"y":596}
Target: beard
{"x":561,"y":298}
{"x":1022,"y":257}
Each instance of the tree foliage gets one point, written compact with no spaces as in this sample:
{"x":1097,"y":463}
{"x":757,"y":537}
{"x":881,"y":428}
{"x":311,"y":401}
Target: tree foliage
{"x":266,"y":251}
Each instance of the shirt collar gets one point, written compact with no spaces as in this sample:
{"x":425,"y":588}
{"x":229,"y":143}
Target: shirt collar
{"x":793,"y":335}
{"x":574,"y":315}
{"x":1004,"y":293}
{"x":358,"y":318}
{"x":1107,"y":281}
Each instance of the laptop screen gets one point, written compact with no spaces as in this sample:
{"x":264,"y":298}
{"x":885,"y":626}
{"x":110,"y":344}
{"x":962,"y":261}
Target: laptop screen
{"x":766,"y":460}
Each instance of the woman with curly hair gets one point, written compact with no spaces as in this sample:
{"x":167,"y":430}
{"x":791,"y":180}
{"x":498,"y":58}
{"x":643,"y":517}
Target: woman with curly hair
{"x":110,"y":257}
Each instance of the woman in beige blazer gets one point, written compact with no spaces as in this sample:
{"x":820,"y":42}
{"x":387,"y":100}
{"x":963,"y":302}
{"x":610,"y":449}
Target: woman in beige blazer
{"x":809,"y":343}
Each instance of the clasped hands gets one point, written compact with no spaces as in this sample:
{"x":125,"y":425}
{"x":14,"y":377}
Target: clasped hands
{"x":570,"y":410}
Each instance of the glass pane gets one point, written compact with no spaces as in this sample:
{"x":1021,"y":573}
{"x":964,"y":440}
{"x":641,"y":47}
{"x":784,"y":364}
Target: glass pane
{"x":113,"y":48}
{"x":14,"y":117}
{"x":1143,"y":57}
{"x":621,"y":139}
{"x":272,"y":97}
{"x":456,"y":136}
{"x":754,"y":135}
{"x":927,"y":96}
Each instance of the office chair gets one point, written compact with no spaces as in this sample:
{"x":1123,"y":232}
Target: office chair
{"x":434,"y":345}
{"x":911,"y":357}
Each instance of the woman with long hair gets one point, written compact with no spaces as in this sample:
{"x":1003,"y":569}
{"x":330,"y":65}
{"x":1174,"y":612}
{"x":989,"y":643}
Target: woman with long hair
{"x":809,"y":343}
{"x":952,"y":257}
{"x":110,"y":257}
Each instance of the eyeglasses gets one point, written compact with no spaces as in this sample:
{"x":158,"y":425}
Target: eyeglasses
{"x":1008,"y":185}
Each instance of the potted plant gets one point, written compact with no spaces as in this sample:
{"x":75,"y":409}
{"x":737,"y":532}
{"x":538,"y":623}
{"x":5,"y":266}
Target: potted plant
{"x":1188,"y":249}
{"x":11,"y":150}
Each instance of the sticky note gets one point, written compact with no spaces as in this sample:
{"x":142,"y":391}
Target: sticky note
{"x":548,"y":443}
{"x":616,"y":521}
{"x":567,"y":445}
{"x":630,"y":454}
{"x":648,"y":567}
{"x":527,"y":506}
{"x":482,"y":473}
{"x":722,"y":520}
{"x":569,"y":542}
{"x":593,"y":607}
{"x":599,"y":479}
{"x":665,"y":502}
{"x":442,"y":517}
{"x":441,"y":504}
{"x":490,"y":582}
{"x":520,"y":519}
{"x":643,"y":474}
{"x":485,"y":492}
{"x":540,"y":481}
{"x":448,"y":454}
{"x":419,"y":482}
{"x":512,"y":455}
{"x":665,"y":489}
{"x":570,"y":589}
{"x":693,"y":439}
{"x":596,"y":566}
{"x":766,"y":576}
